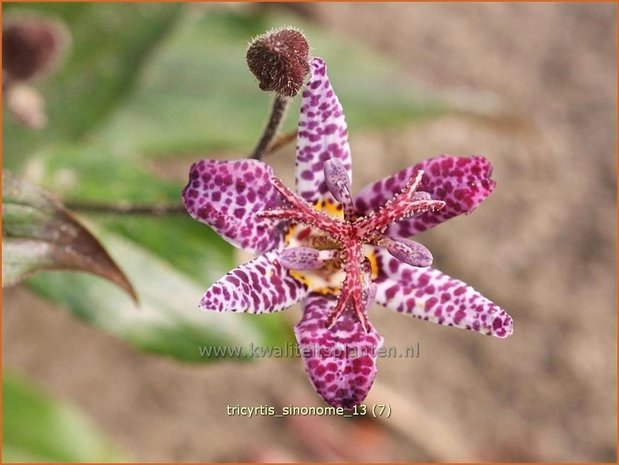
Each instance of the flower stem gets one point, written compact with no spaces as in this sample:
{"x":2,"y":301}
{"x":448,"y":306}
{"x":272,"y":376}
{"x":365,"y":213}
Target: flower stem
{"x":270,"y":131}
{"x":281,"y":141}
{"x":127,"y":209}
{"x":124,"y":208}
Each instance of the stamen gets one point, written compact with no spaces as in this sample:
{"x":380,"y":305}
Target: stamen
{"x":338,"y":183}
{"x":343,"y":239}
{"x":285,"y":214}
{"x":369,"y":293}
{"x":352,"y":291}
{"x":377,"y":222}
{"x":408,"y":251}
{"x":409,"y":189}
{"x":362,"y":315}
{"x":303,"y":212}
{"x":337,"y":311}
{"x":403,"y":205}
{"x":370,"y":296}
{"x":305,"y":258}
{"x":421,"y":195}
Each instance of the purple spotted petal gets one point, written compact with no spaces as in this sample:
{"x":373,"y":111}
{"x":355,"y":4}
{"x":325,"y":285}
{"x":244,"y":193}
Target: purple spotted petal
{"x":322,"y":134}
{"x":262,"y":285}
{"x":461,"y":182}
{"x":340,"y":361}
{"x":433,"y":296}
{"x":227,"y":195}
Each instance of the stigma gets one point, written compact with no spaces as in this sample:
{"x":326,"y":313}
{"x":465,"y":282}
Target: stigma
{"x":332,"y":248}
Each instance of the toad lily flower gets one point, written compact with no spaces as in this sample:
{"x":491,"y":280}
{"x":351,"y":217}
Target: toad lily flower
{"x":338,"y":254}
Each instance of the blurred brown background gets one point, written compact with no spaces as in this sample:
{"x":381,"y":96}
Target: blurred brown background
{"x":542,"y":246}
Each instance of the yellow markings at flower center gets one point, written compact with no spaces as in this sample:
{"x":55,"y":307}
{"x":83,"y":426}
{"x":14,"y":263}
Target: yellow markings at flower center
{"x":325,"y":280}
{"x":330,"y":207}
{"x":320,"y":282}
{"x":329,"y":278}
{"x":369,"y":253}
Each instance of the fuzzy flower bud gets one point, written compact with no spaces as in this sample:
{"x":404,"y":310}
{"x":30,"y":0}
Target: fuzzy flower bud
{"x":280,"y":60}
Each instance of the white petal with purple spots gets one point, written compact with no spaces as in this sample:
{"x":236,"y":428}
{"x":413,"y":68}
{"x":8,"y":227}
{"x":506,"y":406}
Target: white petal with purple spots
{"x":322,"y":134}
{"x":262,"y":285}
{"x":461,"y":182}
{"x":227,"y":195}
{"x":433,"y":296}
{"x":340,"y":361}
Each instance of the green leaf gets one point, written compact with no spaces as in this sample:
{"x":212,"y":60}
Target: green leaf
{"x":36,"y":427}
{"x":177,"y":240}
{"x":40,"y":234}
{"x":168,"y":321}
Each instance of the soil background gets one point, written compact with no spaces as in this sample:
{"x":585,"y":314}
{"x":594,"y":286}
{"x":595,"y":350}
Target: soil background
{"x":543,"y":246}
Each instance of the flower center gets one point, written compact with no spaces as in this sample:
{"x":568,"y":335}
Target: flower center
{"x":325,"y":244}
{"x":327,"y":276}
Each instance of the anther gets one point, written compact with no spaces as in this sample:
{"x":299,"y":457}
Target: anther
{"x":338,"y":183}
{"x":407,"y":251}
{"x":305,"y":258}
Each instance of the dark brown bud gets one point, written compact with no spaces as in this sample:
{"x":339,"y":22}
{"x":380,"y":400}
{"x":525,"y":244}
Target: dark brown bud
{"x":31,"y":46}
{"x":280,"y":60}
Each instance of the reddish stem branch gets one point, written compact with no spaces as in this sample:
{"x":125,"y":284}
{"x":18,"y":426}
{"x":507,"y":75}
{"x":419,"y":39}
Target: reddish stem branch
{"x":270,"y":131}
{"x":127,"y":209}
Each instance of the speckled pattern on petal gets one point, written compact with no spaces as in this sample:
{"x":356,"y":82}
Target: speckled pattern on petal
{"x":340,"y":361}
{"x":433,"y":296}
{"x":322,"y":134}
{"x":227,"y":194}
{"x":461,"y":182}
{"x":262,"y":285}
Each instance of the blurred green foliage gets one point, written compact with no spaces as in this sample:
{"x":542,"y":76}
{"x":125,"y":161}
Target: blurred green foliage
{"x":110,"y":44}
{"x":36,"y":427}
